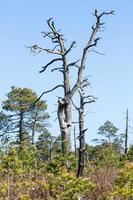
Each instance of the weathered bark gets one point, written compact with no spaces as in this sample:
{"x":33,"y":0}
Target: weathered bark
{"x":66,"y":114}
{"x":65,"y":125}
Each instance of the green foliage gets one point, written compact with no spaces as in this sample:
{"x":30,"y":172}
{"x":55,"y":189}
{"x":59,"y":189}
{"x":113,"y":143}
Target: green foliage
{"x":124,"y":184}
{"x":11,"y":164}
{"x":130,"y":154}
{"x":4,"y":121}
{"x":108,"y":130}
{"x":44,"y":145}
{"x":27,"y":153}
{"x":19,"y":160}
{"x":19,"y":169}
{"x":26,"y":117}
{"x":66,"y":186}
{"x":19,"y":99}
{"x":68,"y":162}
{"x":103,"y":155}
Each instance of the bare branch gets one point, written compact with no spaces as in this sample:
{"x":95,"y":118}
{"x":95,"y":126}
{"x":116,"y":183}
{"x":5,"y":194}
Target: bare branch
{"x":35,"y":49}
{"x":97,"y":26}
{"x":58,"y":68}
{"x":89,"y":96}
{"x":48,"y":64}
{"x":97,"y":52}
{"x":112,"y":12}
{"x":92,"y":42}
{"x":55,"y":47}
{"x":51,"y":25}
{"x":71,"y":46}
{"x":76,"y":107}
{"x":91,"y":101}
{"x":54,"y":88}
{"x":73,"y":64}
{"x":46,"y":34}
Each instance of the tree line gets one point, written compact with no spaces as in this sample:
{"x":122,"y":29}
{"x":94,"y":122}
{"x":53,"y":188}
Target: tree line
{"x":32,"y":165}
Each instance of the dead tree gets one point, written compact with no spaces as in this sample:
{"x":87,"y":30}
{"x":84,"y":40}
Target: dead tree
{"x":60,"y":52}
{"x":82,"y":130}
{"x":84,"y":99}
{"x":126,"y":134}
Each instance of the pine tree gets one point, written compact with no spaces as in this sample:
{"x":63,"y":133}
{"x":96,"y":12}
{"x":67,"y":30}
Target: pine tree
{"x":26,"y":118}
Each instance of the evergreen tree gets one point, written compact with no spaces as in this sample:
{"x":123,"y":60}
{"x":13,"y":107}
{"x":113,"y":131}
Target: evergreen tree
{"x":44,"y":145}
{"x":108,"y":130}
{"x":25,"y":116}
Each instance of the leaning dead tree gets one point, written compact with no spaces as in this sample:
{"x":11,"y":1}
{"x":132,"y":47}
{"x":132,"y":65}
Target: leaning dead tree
{"x":61,"y":52}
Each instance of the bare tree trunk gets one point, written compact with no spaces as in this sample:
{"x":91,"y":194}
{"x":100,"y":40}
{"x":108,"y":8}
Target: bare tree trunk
{"x":65,"y":125}
{"x":81,"y":113}
{"x":126,"y":134}
{"x":75,"y":146}
{"x":81,"y":138}
{"x":65,"y":112}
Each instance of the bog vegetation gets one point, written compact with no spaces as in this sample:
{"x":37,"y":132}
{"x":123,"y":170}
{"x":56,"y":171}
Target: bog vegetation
{"x":35,"y":164}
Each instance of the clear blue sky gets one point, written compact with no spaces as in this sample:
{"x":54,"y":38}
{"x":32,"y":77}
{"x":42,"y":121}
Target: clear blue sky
{"x":21,"y":24}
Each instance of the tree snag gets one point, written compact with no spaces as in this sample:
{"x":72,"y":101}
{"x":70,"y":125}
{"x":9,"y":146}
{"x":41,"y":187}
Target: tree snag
{"x":60,"y":51}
